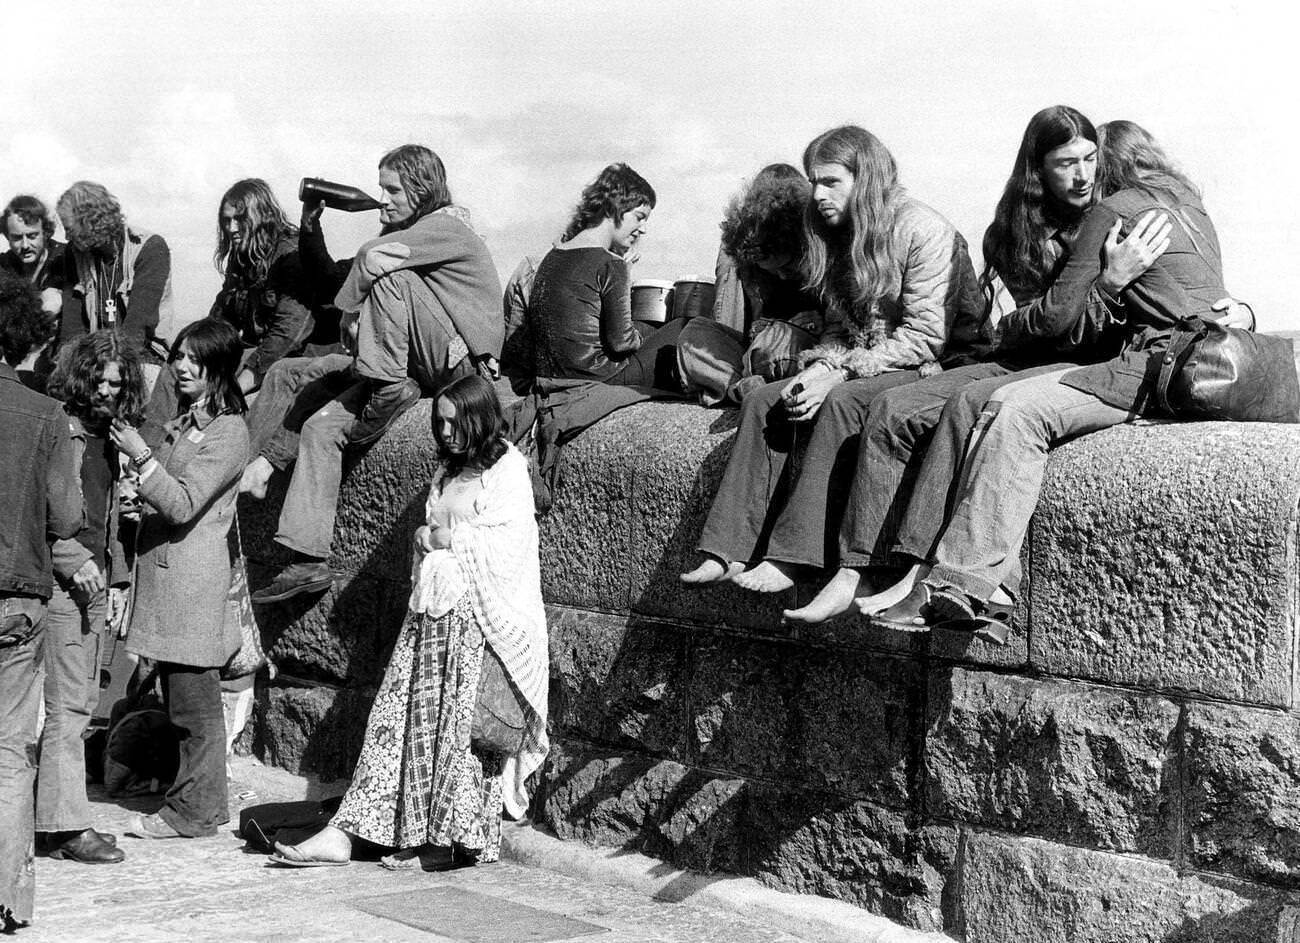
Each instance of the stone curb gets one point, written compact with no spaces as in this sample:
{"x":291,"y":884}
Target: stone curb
{"x":804,"y":915}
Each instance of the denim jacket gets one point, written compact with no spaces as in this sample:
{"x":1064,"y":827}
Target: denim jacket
{"x":40,"y":495}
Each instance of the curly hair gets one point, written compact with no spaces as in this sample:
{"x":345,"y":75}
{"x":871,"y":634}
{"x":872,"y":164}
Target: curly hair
{"x":617,"y":189}
{"x":423,"y":177}
{"x":92,"y":218}
{"x":31,"y":211}
{"x":1016,"y":242}
{"x":264,"y":224}
{"x":24,"y":326}
{"x":216,"y":347}
{"x":852,"y":266}
{"x":765,"y":220}
{"x":80,"y":366}
{"x":478,"y":417}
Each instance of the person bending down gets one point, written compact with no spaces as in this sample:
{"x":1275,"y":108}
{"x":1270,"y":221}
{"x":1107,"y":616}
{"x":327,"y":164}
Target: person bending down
{"x":422,"y":785}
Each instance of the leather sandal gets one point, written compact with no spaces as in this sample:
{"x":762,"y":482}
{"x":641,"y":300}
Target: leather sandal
{"x":911,"y":614}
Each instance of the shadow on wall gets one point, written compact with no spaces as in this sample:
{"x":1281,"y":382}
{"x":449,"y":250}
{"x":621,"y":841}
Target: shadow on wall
{"x":699,"y":729}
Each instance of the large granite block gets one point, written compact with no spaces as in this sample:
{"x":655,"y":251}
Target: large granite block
{"x":586,"y":536}
{"x":381,"y":500}
{"x":659,"y":807}
{"x":844,"y":722}
{"x":1072,"y":762}
{"x":342,"y":636}
{"x":851,"y":850}
{"x":312,"y":729}
{"x":1164,"y":557}
{"x":1243,"y":791}
{"x":1026,"y":889}
{"x":618,"y":681}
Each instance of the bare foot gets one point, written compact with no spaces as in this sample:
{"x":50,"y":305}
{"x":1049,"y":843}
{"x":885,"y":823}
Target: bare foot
{"x":329,"y":844}
{"x":711,"y":570}
{"x":892,"y":596}
{"x":767,"y":577}
{"x":256,"y":477}
{"x":835,"y":597}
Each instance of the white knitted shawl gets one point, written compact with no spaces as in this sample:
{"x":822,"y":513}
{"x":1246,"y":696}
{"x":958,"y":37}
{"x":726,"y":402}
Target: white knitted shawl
{"x":497,"y":556}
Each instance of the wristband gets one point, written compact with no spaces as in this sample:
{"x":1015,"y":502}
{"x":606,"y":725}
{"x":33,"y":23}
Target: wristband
{"x":140,"y":460}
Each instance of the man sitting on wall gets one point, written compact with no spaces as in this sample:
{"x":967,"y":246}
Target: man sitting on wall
{"x":426,"y":301}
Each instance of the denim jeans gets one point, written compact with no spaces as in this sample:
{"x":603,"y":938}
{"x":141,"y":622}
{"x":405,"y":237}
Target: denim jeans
{"x":764,"y":507}
{"x":196,"y":804}
{"x":74,"y":630}
{"x":311,"y":503}
{"x":900,"y":461}
{"x":1003,"y":475}
{"x":22,"y":627}
{"x":283,"y":402}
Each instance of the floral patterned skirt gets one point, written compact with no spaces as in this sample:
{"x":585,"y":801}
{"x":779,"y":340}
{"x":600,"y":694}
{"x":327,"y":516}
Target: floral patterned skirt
{"x":417,"y":782}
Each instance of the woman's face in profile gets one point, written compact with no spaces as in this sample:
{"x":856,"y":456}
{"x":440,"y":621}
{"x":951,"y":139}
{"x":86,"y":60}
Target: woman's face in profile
{"x":450,"y":432}
{"x":630,"y":228}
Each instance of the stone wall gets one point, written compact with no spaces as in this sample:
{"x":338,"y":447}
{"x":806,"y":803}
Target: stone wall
{"x":1127,"y":768}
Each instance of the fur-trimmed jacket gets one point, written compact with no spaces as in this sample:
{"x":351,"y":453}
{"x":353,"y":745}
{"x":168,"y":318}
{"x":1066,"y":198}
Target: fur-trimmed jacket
{"x":937,"y":316}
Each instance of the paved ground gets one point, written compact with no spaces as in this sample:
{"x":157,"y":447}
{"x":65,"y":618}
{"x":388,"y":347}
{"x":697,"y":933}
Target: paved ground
{"x":210,"y":889}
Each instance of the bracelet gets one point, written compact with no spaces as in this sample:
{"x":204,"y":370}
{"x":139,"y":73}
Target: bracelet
{"x":140,"y":460}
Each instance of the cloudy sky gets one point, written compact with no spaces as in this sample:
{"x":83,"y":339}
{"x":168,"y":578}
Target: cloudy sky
{"x":168,"y":103}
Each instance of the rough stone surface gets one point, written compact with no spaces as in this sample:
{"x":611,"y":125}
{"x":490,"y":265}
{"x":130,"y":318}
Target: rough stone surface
{"x":1164,"y":557}
{"x":1072,"y":762}
{"x":618,"y":682}
{"x":312,"y":729}
{"x":850,"y":850}
{"x":1243,"y":791}
{"x":1026,"y":889}
{"x":657,"y":806}
{"x":845,"y":722}
{"x":788,"y":838}
{"x":341,"y":637}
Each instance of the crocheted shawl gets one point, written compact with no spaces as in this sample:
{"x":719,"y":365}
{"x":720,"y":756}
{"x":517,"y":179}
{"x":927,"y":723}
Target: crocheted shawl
{"x":496,"y":562}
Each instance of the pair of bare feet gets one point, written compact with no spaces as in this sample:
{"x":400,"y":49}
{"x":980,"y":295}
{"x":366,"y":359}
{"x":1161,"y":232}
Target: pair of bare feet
{"x":333,"y":846}
{"x":765,"y":577}
{"x":836,"y":597}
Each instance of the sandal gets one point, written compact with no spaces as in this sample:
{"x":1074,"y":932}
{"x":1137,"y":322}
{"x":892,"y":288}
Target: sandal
{"x":911,"y":614}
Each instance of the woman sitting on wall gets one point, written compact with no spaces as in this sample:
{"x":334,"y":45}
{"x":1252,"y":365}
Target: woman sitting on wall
{"x":431,"y":782}
{"x":978,"y":551}
{"x":180,"y":616}
{"x":580,"y":307}
{"x":895,"y":278}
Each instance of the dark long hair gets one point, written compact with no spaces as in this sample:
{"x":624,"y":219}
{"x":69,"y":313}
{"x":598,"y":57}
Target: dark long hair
{"x":265,"y":226}
{"x":617,"y":189}
{"x":215,"y":346}
{"x":423,"y":177}
{"x":1015,"y":244}
{"x":852,"y":265}
{"x":80,"y":365}
{"x":478,"y":417}
{"x":766,"y":218}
